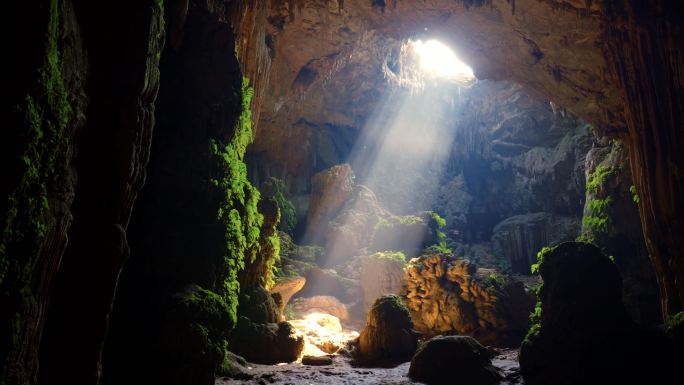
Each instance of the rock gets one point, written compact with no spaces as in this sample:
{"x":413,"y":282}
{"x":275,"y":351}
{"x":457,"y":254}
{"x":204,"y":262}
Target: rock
{"x":329,"y":282}
{"x":584,"y":334}
{"x":387,"y":338}
{"x":257,"y":304}
{"x":330,"y":189}
{"x":451,"y":360}
{"x":450,"y":295}
{"x":321,"y":304}
{"x":268,"y":343}
{"x":381,"y":273}
{"x":286,"y":288}
{"x":520,"y":237}
{"x":316,"y":360}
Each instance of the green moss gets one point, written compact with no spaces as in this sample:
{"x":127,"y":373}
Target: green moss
{"x":635,"y":194}
{"x":598,"y":178}
{"x":238,"y":212}
{"x":393,"y":256}
{"x":275,"y":188}
{"x":675,"y":325}
{"x":495,"y":280}
{"x":536,"y":315}
{"x":42,"y":118}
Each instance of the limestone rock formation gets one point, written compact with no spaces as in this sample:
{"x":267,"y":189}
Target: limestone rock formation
{"x":583,"y":334}
{"x":453,"y":359}
{"x":286,"y":288}
{"x":611,"y":222}
{"x":520,"y":237}
{"x":321,"y":304}
{"x":330,"y":189}
{"x":381,"y":273}
{"x":388,"y":337}
{"x":450,"y":295}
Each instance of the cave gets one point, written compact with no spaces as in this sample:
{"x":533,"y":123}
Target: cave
{"x":335,"y":192}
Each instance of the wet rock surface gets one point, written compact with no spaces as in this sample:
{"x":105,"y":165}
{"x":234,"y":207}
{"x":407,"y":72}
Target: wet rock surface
{"x":340,"y":372}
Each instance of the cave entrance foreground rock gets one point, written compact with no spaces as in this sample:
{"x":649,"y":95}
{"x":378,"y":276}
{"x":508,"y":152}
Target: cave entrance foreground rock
{"x":615,"y":64}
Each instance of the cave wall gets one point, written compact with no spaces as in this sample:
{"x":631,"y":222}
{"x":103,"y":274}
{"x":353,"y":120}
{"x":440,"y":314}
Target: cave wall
{"x":82,"y":114}
{"x":643,"y":49}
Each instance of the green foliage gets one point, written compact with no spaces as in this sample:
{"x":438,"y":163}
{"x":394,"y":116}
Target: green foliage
{"x":395,"y":256}
{"x":635,"y":194}
{"x":675,"y":325}
{"x":436,"y":224}
{"x":238,"y":212}
{"x":275,"y":188}
{"x":495,"y":280}
{"x":41,"y":121}
{"x":540,"y":258}
{"x":598,"y":178}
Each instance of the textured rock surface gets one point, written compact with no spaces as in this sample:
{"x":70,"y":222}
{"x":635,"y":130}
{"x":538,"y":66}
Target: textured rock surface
{"x":330,"y":189}
{"x":388,"y":337}
{"x":321,"y":304}
{"x":452,"y":359}
{"x":286,"y":288}
{"x":380,"y":274}
{"x":612,"y":197}
{"x":584,"y":334}
{"x":448,"y":295}
{"x":519,"y":238}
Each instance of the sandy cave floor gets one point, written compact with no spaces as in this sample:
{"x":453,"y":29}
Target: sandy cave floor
{"x":341,"y":372}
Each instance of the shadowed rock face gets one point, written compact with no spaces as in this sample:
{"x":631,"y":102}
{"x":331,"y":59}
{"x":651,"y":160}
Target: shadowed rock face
{"x":453,"y":359}
{"x":585,"y":335}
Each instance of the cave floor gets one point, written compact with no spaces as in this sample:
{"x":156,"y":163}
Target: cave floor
{"x":341,"y":372}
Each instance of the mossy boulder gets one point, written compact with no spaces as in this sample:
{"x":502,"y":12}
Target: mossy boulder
{"x":451,"y":360}
{"x":193,"y":336}
{"x":582,"y":332}
{"x":388,"y":338}
{"x":268,"y":343}
{"x":257,"y":304}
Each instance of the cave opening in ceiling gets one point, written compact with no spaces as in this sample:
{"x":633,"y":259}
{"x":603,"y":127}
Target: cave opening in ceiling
{"x":438,"y":60}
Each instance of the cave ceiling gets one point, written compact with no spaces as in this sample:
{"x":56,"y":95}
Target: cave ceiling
{"x":327,"y":58}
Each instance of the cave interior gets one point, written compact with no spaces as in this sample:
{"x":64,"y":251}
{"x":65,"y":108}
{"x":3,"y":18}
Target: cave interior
{"x":339,"y":192}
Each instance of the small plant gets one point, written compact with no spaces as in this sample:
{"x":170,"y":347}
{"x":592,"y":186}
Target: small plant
{"x":635,"y":194}
{"x":495,"y":280}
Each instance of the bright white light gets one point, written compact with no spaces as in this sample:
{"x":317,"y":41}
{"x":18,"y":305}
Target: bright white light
{"x":439,"y":60}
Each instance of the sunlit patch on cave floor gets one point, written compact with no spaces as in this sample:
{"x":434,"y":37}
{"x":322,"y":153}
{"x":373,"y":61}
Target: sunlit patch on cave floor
{"x":323,"y":334}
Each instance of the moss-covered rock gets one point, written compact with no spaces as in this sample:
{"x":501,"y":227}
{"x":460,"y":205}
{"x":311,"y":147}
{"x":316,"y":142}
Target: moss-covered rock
{"x":267,"y":343}
{"x":387,"y":338}
{"x":453,"y":359}
{"x":193,"y":336}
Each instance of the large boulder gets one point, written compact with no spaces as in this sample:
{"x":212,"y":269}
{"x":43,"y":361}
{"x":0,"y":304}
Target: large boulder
{"x":330,"y":189}
{"x":381,"y":273}
{"x":388,"y":337}
{"x":584,"y":334}
{"x":257,"y":304}
{"x":453,"y":360}
{"x":267,"y":343}
{"x":448,"y":295}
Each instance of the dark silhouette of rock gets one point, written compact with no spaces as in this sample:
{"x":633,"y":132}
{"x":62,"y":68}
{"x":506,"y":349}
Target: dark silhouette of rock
{"x":267,"y":343}
{"x":453,"y":360}
{"x":584,"y":334}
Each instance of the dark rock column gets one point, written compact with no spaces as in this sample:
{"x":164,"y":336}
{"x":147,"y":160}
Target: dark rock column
{"x":644,"y":52}
{"x":123,"y":41}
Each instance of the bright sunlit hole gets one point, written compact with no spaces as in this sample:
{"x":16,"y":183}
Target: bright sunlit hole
{"x":439,"y":60}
